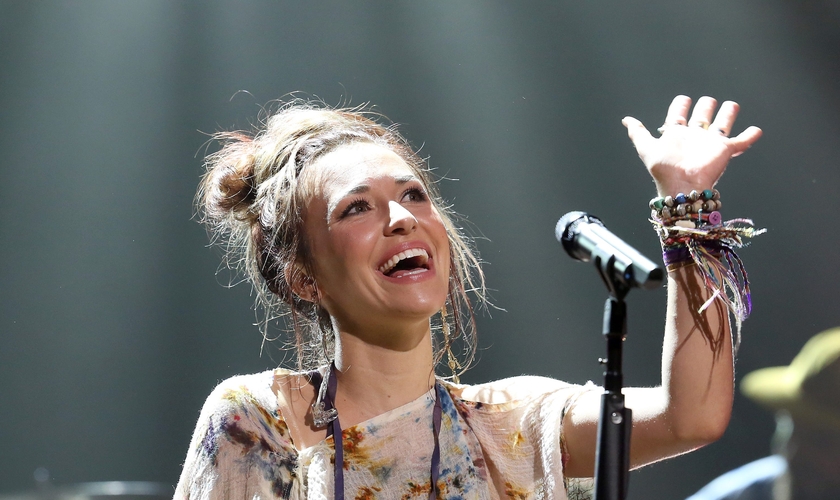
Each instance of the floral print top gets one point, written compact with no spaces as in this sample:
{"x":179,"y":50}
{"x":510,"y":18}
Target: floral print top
{"x":492,"y":446}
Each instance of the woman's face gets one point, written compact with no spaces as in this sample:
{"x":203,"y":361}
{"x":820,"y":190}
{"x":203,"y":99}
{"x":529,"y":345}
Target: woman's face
{"x":378,"y":247}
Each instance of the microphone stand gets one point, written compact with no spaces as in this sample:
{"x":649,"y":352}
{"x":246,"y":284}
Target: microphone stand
{"x":612,"y":458}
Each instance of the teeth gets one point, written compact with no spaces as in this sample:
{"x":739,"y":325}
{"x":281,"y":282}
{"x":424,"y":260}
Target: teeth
{"x":412,"y":252}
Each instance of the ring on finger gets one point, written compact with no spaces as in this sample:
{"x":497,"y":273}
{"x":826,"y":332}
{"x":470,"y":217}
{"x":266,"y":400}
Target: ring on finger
{"x":665,"y":126}
{"x":703,"y":125}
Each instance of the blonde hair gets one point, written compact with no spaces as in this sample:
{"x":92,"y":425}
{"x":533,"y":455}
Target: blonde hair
{"x":252,"y":198}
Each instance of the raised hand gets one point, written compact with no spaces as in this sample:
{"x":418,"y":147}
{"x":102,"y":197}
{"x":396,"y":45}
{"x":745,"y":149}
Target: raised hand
{"x":692,"y":153}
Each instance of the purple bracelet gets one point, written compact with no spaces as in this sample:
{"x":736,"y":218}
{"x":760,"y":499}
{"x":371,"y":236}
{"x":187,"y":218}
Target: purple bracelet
{"x":678,"y":254}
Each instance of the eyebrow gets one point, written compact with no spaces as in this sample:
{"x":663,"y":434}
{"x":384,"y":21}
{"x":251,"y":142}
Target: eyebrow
{"x":364,"y":188}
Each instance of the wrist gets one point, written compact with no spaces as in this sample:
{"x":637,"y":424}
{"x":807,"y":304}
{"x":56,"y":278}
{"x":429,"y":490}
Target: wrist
{"x":690,"y":210}
{"x":674,"y":186}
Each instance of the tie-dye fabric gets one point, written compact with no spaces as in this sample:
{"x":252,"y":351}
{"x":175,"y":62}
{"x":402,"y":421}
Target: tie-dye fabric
{"x":495,"y":449}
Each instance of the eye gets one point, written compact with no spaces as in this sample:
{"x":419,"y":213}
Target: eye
{"x":355,"y":207}
{"x":414,"y":194}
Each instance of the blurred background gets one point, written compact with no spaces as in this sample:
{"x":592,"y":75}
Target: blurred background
{"x":116,"y":321}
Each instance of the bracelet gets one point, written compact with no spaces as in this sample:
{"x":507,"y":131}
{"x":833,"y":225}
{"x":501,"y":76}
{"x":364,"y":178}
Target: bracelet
{"x":693,"y":233}
{"x":688,"y":207}
{"x":679,"y":252}
{"x":719,"y":267}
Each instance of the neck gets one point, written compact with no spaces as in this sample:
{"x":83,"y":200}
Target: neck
{"x":374,"y":379}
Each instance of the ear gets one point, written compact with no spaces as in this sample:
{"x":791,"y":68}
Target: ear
{"x":300,"y":282}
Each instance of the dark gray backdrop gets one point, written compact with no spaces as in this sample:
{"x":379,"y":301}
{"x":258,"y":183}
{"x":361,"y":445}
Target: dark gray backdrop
{"x":114,"y":324}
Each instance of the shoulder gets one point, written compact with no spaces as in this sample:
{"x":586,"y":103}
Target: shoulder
{"x":518,"y":422}
{"x":507,"y":390}
{"x":257,"y":391}
{"x":243,"y":410}
{"x":242,"y":394}
{"x":241,"y":429}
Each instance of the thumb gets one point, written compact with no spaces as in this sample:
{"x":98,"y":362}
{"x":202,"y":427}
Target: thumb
{"x":637,"y":132}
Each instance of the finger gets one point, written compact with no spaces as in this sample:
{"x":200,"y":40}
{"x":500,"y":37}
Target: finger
{"x":703,"y":111}
{"x":744,"y":140}
{"x":725,"y":117}
{"x":678,"y":111}
{"x":637,"y":132}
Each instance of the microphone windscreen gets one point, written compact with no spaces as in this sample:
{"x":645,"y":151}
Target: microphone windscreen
{"x":567,"y":228}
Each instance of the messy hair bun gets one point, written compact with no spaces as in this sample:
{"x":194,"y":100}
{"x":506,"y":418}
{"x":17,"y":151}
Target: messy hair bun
{"x":233,"y":188}
{"x":252,"y":197}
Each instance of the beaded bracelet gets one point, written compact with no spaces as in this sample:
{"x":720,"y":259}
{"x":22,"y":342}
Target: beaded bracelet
{"x":692,"y":232}
{"x":688,"y":206}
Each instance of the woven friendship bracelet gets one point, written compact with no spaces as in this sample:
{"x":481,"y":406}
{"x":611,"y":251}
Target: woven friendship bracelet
{"x":693,"y":233}
{"x":679,"y":255}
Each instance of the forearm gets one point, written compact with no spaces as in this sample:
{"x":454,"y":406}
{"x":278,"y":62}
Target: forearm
{"x":697,"y":364}
{"x":692,"y":406}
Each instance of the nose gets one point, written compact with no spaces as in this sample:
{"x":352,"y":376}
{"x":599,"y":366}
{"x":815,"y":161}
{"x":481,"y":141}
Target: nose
{"x":402,"y":221}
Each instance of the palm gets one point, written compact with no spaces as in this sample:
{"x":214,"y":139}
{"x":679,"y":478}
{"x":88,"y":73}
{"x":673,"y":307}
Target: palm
{"x":690,"y":154}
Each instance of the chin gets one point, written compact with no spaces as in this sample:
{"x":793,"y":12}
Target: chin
{"x":420,"y":307}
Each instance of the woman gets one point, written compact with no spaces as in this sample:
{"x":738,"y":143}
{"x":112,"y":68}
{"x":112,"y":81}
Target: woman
{"x":338,"y":221}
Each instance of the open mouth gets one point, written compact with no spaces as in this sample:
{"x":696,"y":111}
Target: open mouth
{"x":410,"y":262}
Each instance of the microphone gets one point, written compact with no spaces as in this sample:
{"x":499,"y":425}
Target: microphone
{"x":586,"y":238}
